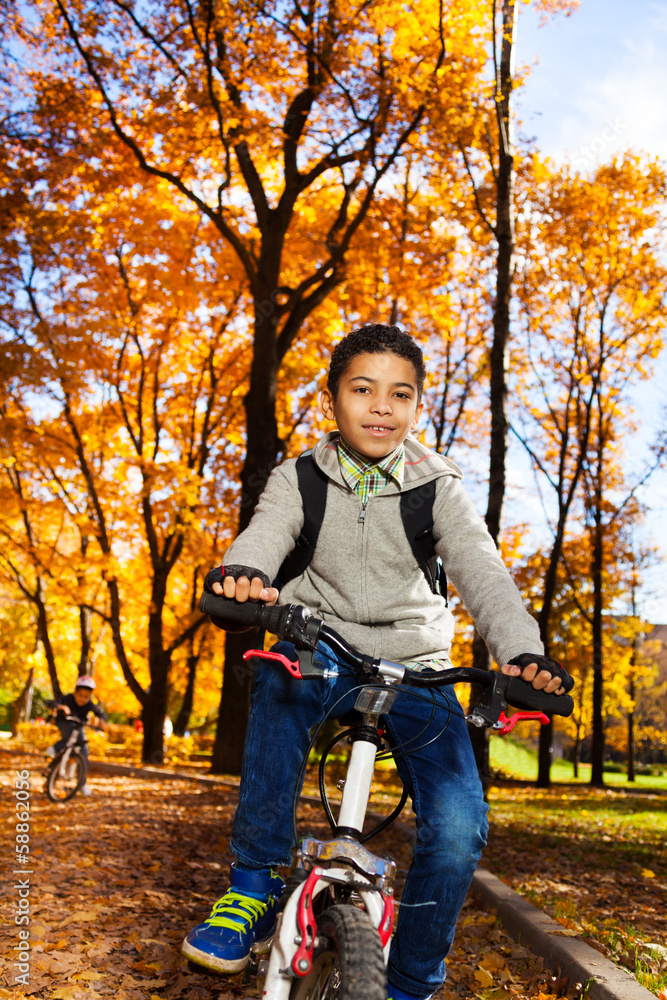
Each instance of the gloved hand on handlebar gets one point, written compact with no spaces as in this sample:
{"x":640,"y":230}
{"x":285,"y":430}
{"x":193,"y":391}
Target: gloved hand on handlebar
{"x":242,"y":583}
{"x":541,"y":671}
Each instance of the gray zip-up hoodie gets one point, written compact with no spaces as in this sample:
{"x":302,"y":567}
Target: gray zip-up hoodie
{"x":364,"y":580}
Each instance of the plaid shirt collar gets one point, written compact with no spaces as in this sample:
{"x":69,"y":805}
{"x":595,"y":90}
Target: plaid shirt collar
{"x":366,"y":476}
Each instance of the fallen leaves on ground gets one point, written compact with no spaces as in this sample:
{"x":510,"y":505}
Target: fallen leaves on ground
{"x":120,"y":877}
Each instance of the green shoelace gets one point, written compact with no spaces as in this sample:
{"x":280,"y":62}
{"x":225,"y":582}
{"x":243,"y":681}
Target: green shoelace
{"x":234,"y":904}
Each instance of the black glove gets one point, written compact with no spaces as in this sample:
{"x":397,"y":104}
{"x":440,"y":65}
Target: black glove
{"x":216,"y":575}
{"x":544,"y":663}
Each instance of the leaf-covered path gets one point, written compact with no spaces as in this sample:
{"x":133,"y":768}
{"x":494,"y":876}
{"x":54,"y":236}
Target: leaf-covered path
{"x":119,"y":878}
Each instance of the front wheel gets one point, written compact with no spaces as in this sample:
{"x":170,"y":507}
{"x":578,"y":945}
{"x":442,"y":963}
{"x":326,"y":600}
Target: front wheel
{"x":348,"y":963}
{"x":66,"y":775}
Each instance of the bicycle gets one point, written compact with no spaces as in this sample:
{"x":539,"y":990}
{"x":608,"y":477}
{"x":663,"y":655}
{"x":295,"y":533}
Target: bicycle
{"x":337,"y":913}
{"x":68,"y":770}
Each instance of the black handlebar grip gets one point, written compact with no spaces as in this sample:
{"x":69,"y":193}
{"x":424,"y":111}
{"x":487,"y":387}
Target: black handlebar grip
{"x":521,"y":694}
{"x":235,"y":616}
{"x":228,"y":613}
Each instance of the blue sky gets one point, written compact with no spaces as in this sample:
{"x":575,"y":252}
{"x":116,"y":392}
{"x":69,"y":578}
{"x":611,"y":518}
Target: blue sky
{"x":599,"y":82}
{"x":597,"y":87}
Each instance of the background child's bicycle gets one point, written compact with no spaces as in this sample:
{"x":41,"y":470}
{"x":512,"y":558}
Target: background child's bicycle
{"x":333,"y":934}
{"x":68,"y":771}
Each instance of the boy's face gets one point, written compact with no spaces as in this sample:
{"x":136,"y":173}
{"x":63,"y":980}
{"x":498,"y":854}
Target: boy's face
{"x":82,"y":696}
{"x":376,"y":406}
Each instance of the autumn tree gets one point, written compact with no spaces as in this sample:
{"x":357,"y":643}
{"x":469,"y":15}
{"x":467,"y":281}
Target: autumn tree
{"x":648,"y":697}
{"x":137,"y":441}
{"x":278,"y":123}
{"x":592,"y":300}
{"x":488,"y":157}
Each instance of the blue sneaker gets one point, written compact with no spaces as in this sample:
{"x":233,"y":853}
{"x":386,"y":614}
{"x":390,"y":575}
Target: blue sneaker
{"x":246,"y":913}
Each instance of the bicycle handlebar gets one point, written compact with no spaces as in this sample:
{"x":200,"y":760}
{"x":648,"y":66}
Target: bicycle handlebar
{"x":299,"y":626}
{"x":235,"y":613}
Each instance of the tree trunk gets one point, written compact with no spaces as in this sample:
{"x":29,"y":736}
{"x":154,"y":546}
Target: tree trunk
{"x":159,"y":660}
{"x":44,"y":638}
{"x":631,"y":729}
{"x":545,"y":752}
{"x":545,"y":755}
{"x":85,"y":621}
{"x":182,"y":722}
{"x":479,"y":736}
{"x":632,"y":691}
{"x":234,"y":703}
{"x":85,"y":625}
{"x":22,"y":707}
{"x":598,"y":747}
{"x":153,"y":714}
{"x":504,"y":231}
{"x":263,"y":448}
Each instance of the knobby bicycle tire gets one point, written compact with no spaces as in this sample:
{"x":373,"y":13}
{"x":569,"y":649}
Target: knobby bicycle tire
{"x":349,"y":964}
{"x":60,"y":787}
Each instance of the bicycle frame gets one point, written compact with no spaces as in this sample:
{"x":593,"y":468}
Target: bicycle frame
{"x":343,"y":866}
{"x":340,"y":864}
{"x":354,"y":869}
{"x":75,"y":740}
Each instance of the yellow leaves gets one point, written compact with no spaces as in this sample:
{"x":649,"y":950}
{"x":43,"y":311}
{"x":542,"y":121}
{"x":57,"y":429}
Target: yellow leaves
{"x":493,"y":962}
{"x":480,"y":918}
{"x":66,"y":993}
{"x":83,"y":916}
{"x":483,"y":977}
{"x":490,"y":974}
{"x":647,"y":873}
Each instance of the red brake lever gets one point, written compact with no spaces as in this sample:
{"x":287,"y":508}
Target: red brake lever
{"x":290,"y":665}
{"x":509,"y":724}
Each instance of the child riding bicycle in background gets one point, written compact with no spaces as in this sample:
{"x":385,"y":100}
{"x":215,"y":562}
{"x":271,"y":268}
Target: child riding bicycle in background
{"x":76,"y":706}
{"x":365,"y":582}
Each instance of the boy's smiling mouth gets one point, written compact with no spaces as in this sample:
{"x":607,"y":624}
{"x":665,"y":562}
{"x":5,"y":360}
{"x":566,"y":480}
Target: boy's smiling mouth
{"x":378,"y":428}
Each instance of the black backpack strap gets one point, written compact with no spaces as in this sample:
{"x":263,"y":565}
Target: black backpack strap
{"x":417,"y":518}
{"x":313,"y":485}
{"x":416,"y":514}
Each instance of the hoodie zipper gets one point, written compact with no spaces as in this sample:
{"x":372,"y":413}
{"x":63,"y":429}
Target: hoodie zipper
{"x":363,"y":591}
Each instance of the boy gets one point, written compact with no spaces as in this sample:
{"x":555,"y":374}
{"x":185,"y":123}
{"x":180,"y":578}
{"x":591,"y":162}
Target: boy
{"x":365,"y":582}
{"x":76,"y":705}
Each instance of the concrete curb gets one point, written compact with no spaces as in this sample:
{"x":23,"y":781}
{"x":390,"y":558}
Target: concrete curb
{"x":544,"y":936}
{"x":524,"y":922}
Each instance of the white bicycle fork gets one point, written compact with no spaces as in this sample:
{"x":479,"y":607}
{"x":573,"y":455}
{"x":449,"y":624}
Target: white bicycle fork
{"x":288,"y":940}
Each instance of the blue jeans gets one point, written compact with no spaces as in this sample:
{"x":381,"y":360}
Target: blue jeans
{"x":441,"y":779}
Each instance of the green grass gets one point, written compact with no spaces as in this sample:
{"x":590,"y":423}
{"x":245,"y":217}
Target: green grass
{"x":510,"y":759}
{"x":592,"y":858}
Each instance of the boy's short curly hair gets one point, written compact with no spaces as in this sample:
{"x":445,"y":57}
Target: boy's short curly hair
{"x":375,"y":338}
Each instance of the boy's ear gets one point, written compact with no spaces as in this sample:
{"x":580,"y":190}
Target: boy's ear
{"x":327,"y":404}
{"x":418,"y":413}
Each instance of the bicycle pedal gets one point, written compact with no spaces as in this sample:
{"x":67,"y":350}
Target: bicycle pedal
{"x":260,"y":948}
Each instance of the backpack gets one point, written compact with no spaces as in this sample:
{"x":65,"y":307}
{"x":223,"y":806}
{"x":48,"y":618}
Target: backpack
{"x":416,"y":514}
